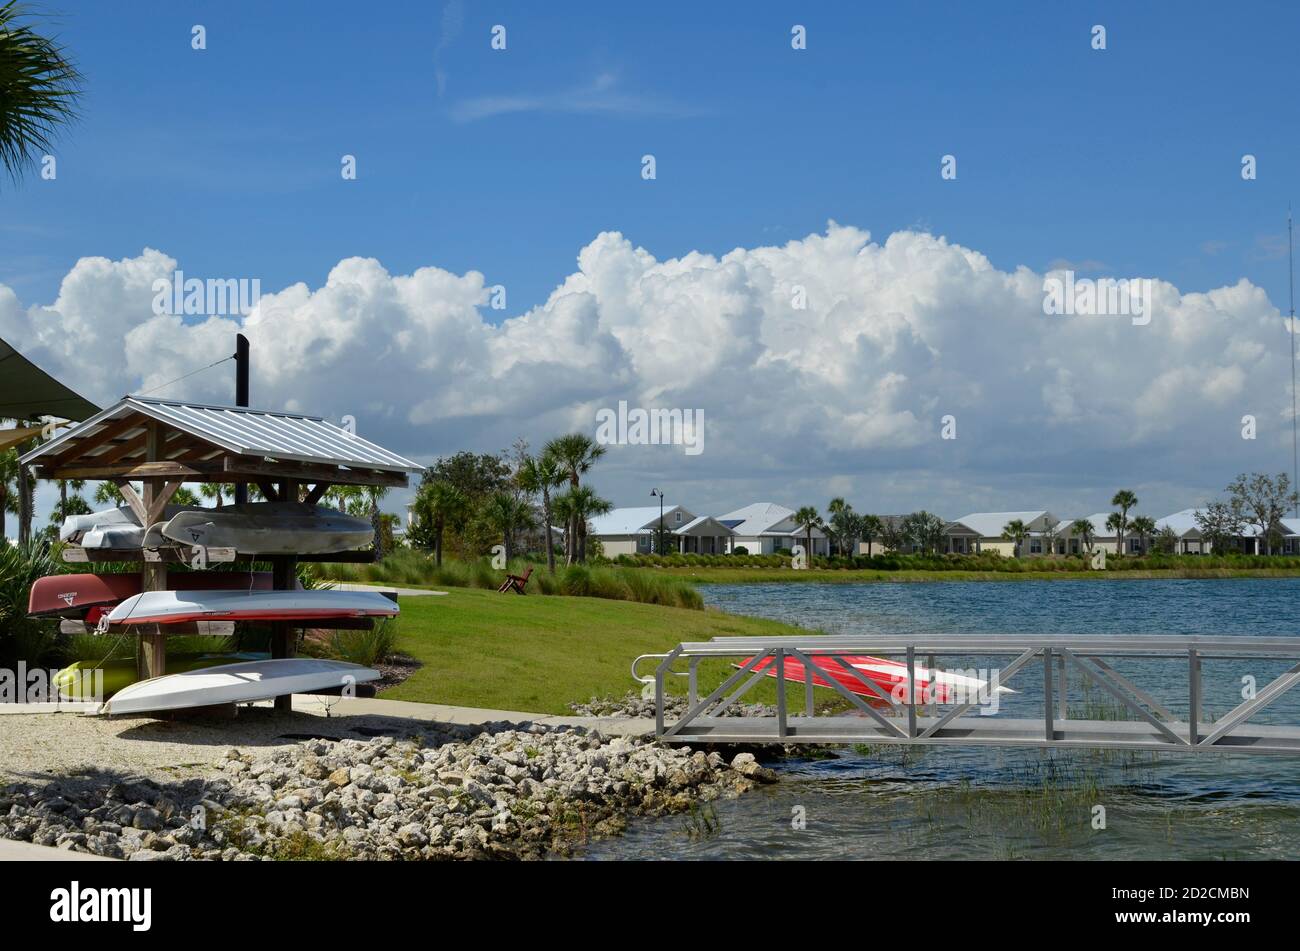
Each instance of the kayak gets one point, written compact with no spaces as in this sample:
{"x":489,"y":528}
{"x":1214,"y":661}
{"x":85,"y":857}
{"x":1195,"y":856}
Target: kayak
{"x":114,"y":529}
{"x":78,"y":681}
{"x":236,"y":683}
{"x":270,"y":528}
{"x":889,"y":675}
{"x":171,"y":607}
{"x":72,"y":595}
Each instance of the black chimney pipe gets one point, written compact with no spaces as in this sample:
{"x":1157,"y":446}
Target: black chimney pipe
{"x":241,"y":398}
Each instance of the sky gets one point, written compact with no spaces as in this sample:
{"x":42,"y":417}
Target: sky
{"x":777,"y":171}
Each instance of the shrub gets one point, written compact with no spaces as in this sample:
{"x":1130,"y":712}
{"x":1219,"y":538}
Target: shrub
{"x":365,"y":647}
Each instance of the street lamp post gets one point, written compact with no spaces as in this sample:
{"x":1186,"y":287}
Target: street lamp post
{"x":660,"y":495}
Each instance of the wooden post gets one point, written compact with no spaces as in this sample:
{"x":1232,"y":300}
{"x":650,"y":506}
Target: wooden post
{"x":151,"y":655}
{"x":284,"y":578}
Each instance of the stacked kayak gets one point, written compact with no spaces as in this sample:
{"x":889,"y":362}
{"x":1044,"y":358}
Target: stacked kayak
{"x":86,"y":596}
{"x":890,"y":676}
{"x":174,"y":607}
{"x":78,"y":681}
{"x":113,"y":529}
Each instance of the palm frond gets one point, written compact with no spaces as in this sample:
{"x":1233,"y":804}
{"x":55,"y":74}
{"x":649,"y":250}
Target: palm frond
{"x":39,"y":90}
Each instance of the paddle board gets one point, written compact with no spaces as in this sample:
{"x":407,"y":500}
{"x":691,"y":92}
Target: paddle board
{"x":170,"y":607}
{"x":73,"y":594}
{"x":236,"y":683}
{"x":77,"y":681}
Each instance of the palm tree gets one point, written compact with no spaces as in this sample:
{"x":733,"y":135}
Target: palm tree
{"x":583,"y":505}
{"x":39,"y":88}
{"x":574,"y":454}
{"x":1145,"y":527}
{"x":1015,"y":531}
{"x":506,"y":513}
{"x":541,"y":474}
{"x":440,"y":504}
{"x":1085,"y":530}
{"x":807,"y":518}
{"x":8,"y":487}
{"x":870,"y":529}
{"x":1124,"y":500}
{"x":217,"y":490}
{"x":1115,"y":523}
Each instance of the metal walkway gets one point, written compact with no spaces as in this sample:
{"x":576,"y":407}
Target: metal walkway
{"x":1164,"y":674}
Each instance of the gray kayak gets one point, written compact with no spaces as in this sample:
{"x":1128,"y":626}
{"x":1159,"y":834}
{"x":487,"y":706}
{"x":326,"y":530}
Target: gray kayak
{"x":270,"y":528}
{"x":115,"y":529}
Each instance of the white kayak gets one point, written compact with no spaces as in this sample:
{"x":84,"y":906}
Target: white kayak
{"x":271,"y":528}
{"x":115,"y":529}
{"x":174,"y":607}
{"x":235,"y":683}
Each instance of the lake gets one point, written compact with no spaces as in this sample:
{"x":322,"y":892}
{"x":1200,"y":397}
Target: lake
{"x":952,"y":802}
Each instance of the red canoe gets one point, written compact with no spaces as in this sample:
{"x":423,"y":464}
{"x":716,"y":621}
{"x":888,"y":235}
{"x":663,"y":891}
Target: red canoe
{"x":73,"y":596}
{"x":889,"y":675}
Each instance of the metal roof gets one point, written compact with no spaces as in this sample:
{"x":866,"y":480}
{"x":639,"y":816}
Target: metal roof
{"x":246,"y":432}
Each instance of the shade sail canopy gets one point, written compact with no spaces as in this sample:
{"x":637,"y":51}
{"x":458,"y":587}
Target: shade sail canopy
{"x":200,"y":443}
{"x":28,"y":392}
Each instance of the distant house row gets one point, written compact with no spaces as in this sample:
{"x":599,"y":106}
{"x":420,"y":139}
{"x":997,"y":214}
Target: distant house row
{"x":766,"y":527}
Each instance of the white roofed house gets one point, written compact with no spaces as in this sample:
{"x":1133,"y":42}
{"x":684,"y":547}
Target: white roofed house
{"x":764,"y":527}
{"x":982,"y":531}
{"x":1103,"y":538}
{"x":1189,"y":539}
{"x":633,"y":530}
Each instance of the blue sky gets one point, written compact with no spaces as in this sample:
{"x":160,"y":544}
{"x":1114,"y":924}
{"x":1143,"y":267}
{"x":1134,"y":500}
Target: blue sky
{"x":1124,"y":162}
{"x":228,"y":159}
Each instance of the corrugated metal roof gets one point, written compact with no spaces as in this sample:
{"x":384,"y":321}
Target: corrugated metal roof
{"x":246,"y":432}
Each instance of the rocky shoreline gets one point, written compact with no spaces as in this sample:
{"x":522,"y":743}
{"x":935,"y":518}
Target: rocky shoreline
{"x":635,"y":705}
{"x":504,"y":790}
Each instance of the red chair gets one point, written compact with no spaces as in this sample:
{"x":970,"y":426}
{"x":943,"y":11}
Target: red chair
{"x":516,"y":583}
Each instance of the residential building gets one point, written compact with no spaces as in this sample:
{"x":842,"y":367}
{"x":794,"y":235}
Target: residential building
{"x":982,"y":531}
{"x":633,"y":530}
{"x":764,"y":527}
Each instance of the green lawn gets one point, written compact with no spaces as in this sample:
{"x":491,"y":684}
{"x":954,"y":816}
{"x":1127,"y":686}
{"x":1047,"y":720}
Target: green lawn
{"x":536,"y":654}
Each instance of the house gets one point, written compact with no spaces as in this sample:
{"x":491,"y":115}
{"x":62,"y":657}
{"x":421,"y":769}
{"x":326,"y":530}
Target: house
{"x":765,"y":527}
{"x":1103,"y":538}
{"x":1189,"y":540}
{"x":633,"y":530}
{"x":890,"y":526}
{"x":983,"y":531}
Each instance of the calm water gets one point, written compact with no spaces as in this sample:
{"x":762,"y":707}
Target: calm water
{"x":954,"y":802}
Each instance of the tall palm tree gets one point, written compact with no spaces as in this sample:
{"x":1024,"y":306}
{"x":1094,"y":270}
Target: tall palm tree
{"x":1085,"y":530}
{"x":1145,"y":528}
{"x":541,"y":474}
{"x":870,"y":529}
{"x":581,"y":505}
{"x":1123,"y":500}
{"x":440,"y":504}
{"x":807,"y":518}
{"x":39,"y":88}
{"x":8,"y":487}
{"x":1015,"y":531}
{"x":841,"y":514}
{"x":506,"y":514}
{"x":575,"y":454}
{"x":217,"y":490}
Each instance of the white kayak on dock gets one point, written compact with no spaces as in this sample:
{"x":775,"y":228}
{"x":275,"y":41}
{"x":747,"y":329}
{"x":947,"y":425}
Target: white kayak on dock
{"x":270,"y":528}
{"x":236,"y":683}
{"x":174,"y":607}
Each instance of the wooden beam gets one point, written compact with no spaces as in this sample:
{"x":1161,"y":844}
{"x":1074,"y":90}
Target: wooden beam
{"x":151,"y":659}
{"x":160,"y":503}
{"x":317,"y":490}
{"x":110,"y":431}
{"x":187,"y":471}
{"x":133,"y":501}
{"x":171,"y":555}
{"x":255,"y":470}
{"x":127,"y":447}
{"x":269,"y":490}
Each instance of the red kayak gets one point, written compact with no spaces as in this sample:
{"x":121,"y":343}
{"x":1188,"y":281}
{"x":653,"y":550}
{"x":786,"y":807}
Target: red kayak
{"x":889,"y":675}
{"x":75,"y":596}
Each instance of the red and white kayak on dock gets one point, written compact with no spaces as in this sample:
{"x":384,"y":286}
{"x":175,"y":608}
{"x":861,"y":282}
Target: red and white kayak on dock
{"x":890,"y":676}
{"x":174,"y":607}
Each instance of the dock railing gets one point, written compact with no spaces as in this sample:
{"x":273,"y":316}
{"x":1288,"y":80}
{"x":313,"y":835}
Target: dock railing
{"x":1169,"y":676}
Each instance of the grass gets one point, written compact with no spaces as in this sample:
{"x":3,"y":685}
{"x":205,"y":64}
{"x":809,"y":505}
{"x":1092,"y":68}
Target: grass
{"x":537,"y":654}
{"x":416,"y":569}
